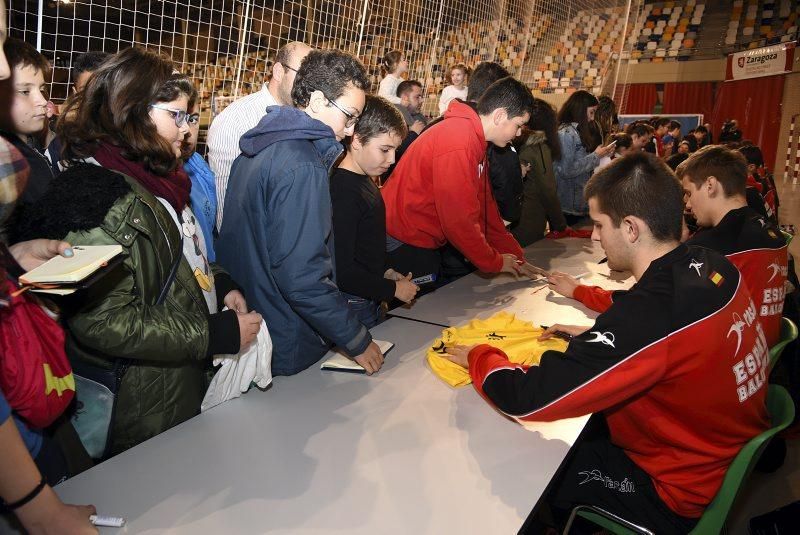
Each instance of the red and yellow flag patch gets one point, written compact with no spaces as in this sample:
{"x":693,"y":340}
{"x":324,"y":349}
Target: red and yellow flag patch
{"x":716,"y":278}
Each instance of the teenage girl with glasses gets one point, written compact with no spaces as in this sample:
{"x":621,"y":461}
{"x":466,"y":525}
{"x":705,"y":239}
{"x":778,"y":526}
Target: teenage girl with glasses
{"x":124,"y":185}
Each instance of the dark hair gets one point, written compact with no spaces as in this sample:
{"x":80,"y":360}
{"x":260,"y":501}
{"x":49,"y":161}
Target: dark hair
{"x":114,"y":108}
{"x":702,"y":129}
{"x":640,"y":128}
{"x":606,"y":115}
{"x":574,"y":111}
{"x":328,"y":71}
{"x":752,"y":154}
{"x":379,"y":117}
{"x":87,"y":62}
{"x":543,"y":118}
{"x":728,"y":166}
{"x":484,"y":75}
{"x":407,"y":86}
{"x":193,"y":96}
{"x":658,"y":122}
{"x":22,"y":54}
{"x":640,"y":185}
{"x":186,"y":149}
{"x":676,"y":159}
{"x":624,"y":141}
{"x":674,"y":124}
{"x":507,"y":93}
{"x":390,"y":61}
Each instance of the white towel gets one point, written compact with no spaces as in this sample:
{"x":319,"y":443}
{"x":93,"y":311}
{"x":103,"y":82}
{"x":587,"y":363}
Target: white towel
{"x":253,"y":365}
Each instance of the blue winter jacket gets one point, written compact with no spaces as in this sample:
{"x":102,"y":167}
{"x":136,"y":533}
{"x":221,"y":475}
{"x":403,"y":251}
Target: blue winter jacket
{"x":573,"y":170}
{"x":276,"y":238}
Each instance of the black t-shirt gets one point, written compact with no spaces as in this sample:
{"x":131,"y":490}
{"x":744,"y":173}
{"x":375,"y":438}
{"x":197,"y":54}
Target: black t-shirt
{"x":41,"y":173}
{"x":506,"y":178}
{"x":359,"y":232}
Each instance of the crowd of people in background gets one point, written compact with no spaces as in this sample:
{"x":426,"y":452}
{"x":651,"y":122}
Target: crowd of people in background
{"x":319,"y":207}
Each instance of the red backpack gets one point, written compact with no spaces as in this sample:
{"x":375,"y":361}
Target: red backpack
{"x":35,"y":375}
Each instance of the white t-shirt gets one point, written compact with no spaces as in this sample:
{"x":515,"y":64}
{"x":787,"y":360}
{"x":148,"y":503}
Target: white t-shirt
{"x":449,"y":93}
{"x":388,"y":88}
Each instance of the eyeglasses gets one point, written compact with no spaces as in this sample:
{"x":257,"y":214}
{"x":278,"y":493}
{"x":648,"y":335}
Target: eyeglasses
{"x":180,"y":116}
{"x":351,"y":119}
{"x":290,"y":68}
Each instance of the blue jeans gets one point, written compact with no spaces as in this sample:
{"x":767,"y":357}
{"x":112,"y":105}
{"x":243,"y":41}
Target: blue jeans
{"x":367,"y":311}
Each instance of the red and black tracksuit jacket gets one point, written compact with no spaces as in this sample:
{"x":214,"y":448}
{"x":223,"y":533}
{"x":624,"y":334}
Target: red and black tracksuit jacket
{"x":678,"y":364}
{"x":756,"y":248}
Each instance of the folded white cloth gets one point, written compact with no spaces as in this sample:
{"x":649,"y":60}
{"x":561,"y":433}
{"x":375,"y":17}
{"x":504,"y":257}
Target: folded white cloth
{"x":253,"y":365}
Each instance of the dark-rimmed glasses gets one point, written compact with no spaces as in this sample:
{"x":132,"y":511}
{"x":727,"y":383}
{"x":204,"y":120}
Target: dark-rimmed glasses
{"x":181,"y":116}
{"x":351,"y":118}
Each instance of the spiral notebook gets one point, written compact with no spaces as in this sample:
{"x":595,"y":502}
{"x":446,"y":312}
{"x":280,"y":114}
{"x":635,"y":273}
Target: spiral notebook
{"x":336,"y":361}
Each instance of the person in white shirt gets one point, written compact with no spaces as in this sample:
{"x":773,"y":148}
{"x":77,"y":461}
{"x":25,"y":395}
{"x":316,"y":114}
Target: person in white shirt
{"x":393,"y":66}
{"x":245,"y":113}
{"x":458,"y":77}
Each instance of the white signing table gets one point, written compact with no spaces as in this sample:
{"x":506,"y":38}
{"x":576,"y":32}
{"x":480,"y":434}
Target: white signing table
{"x":323,"y":452}
{"x":478,"y":295}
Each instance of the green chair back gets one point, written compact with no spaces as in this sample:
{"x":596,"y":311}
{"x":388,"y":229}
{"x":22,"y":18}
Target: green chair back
{"x":781,"y":410}
{"x":788,"y":335}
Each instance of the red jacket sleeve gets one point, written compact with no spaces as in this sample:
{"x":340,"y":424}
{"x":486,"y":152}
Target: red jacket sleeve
{"x":594,"y":297}
{"x":612,"y":361}
{"x":455,"y":193}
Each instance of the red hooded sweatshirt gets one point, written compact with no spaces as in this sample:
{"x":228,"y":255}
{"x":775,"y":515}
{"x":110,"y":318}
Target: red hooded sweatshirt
{"x":440,"y":192}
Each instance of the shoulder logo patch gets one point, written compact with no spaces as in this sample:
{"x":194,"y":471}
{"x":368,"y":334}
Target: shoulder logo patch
{"x":695,"y":265}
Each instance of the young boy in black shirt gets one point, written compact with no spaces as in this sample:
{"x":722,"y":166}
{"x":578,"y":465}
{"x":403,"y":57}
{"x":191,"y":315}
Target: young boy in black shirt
{"x":359,"y":219}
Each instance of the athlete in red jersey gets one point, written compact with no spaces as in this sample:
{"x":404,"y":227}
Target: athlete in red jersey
{"x":677,"y":365}
{"x":714,"y":181}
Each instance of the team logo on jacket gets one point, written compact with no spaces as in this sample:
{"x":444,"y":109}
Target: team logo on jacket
{"x":776,"y":269}
{"x":695,"y":265}
{"x":738,"y":328}
{"x":606,"y":338}
{"x":494,"y":336}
